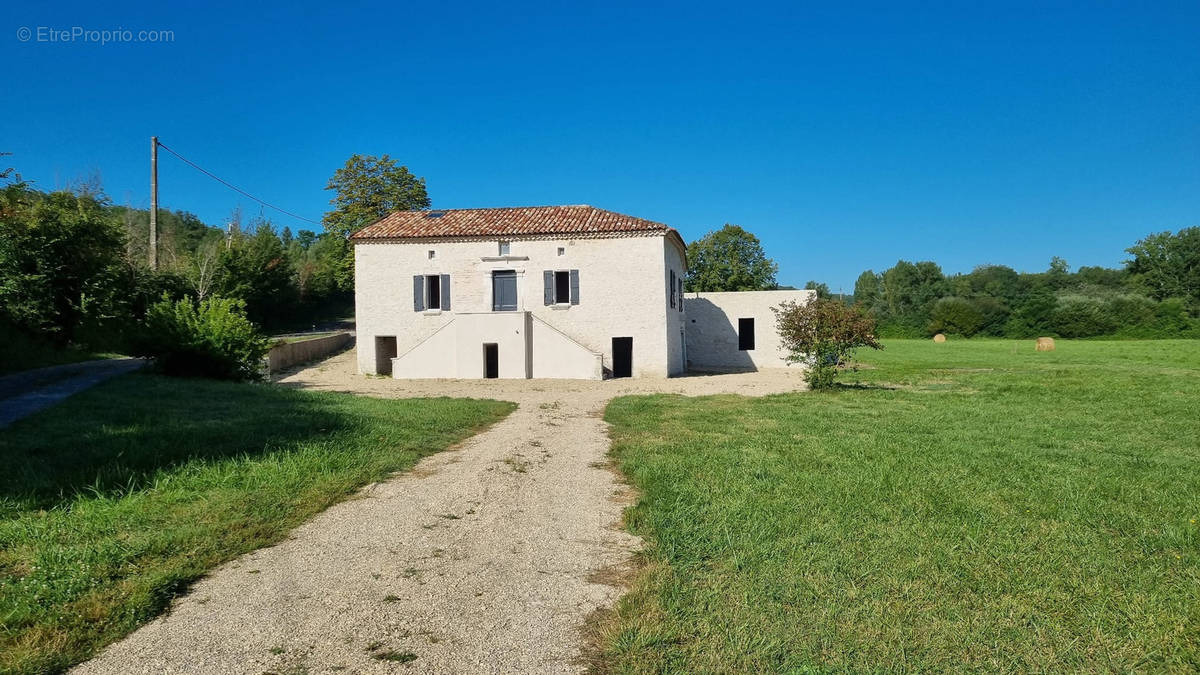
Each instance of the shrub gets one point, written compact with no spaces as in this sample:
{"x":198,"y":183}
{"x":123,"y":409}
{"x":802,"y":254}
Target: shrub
{"x":1078,"y":317}
{"x":958,"y":316}
{"x":823,"y":335}
{"x":212,"y":338}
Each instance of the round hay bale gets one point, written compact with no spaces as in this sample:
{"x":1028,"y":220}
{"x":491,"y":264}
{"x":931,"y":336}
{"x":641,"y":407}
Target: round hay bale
{"x":1045,"y":344}
{"x":939,"y":338}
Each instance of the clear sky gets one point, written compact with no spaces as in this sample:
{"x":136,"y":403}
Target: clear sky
{"x":845,"y":136}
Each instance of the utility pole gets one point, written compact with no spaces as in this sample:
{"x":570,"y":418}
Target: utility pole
{"x":154,"y":202}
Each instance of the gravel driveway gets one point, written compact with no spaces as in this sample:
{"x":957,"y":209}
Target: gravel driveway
{"x":484,"y":558}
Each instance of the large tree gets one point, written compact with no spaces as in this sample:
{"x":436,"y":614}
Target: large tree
{"x":729,"y":259}
{"x":867,"y":289}
{"x":368,"y":188}
{"x":61,"y":261}
{"x":1168,"y":265}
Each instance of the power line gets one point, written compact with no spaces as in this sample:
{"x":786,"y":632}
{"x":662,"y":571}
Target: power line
{"x":234,"y":187}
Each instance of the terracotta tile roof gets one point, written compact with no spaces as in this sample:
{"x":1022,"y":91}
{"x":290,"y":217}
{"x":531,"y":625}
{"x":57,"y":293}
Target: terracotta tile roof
{"x":580,"y":219}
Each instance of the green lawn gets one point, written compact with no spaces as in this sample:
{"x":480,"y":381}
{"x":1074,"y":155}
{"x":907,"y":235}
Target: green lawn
{"x":302,"y":338}
{"x":114,"y":501}
{"x":971,"y":506}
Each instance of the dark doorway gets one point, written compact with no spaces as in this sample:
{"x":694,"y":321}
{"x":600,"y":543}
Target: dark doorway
{"x":504,"y":291}
{"x":622,"y":348}
{"x":385,"y":351}
{"x":491,"y":360}
{"x":745,"y":334}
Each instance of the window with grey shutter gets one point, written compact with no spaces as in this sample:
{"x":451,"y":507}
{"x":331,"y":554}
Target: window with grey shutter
{"x":574,"y":287}
{"x":671,"y":289}
{"x":680,"y":280}
{"x":446,"y":292}
{"x":548,"y":280}
{"x":418,"y":293}
{"x":504,"y":291}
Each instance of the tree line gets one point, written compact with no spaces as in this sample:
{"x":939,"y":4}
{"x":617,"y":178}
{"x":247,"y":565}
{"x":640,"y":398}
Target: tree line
{"x":1155,"y":294}
{"x":74,"y":266}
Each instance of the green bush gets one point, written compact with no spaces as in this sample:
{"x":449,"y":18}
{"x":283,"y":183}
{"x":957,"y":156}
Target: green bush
{"x":1079,"y":317}
{"x":212,"y":338}
{"x":957,"y":316}
{"x":823,"y":335}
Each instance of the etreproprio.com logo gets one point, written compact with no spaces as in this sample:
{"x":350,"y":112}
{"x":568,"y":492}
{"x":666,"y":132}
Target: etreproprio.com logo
{"x":99,"y":36}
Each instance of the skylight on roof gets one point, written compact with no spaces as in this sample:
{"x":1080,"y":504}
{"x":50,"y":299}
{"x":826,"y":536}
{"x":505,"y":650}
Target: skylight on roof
{"x":435,"y":214}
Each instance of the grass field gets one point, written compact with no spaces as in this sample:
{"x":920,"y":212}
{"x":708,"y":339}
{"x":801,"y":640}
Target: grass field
{"x":971,"y":505}
{"x":114,"y":501}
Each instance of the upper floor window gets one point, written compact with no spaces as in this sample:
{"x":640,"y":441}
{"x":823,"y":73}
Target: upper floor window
{"x":562,"y":251}
{"x":562,"y":287}
{"x":505,"y":248}
{"x":671,"y":288}
{"x":431,"y":291}
{"x":432,"y":254}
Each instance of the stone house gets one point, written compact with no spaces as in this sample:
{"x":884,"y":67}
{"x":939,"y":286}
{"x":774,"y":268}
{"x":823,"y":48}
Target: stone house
{"x":546,"y":292}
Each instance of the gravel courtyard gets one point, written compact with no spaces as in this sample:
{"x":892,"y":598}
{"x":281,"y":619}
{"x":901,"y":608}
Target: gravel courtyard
{"x":485,"y":558}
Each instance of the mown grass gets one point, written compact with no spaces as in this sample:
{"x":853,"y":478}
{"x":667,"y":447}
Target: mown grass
{"x":114,"y":501}
{"x":968,"y":506}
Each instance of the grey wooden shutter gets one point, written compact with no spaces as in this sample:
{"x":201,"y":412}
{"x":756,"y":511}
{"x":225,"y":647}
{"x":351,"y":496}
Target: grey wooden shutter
{"x":681,"y":294}
{"x":574,"y":287}
{"x":445,"y":291}
{"x":671,"y":288}
{"x":418,"y":293}
{"x":548,"y":278}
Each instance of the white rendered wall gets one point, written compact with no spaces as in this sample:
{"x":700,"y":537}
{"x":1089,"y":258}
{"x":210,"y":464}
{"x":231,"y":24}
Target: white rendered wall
{"x":674,"y":261}
{"x":622,"y":293}
{"x":712,"y":329}
{"x":557,"y":356}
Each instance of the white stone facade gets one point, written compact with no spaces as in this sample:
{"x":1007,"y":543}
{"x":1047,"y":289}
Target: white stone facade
{"x":717,"y":323}
{"x":619,"y":289}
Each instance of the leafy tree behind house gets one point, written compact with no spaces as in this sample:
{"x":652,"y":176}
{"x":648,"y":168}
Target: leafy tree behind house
{"x":729,"y":259}
{"x":366,"y":189}
{"x":822,"y":289}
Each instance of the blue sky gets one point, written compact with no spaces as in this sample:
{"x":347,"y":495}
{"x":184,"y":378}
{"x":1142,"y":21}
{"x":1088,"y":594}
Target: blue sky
{"x":846,"y":138}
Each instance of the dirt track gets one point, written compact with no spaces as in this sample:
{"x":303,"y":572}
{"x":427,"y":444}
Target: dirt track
{"x":481,"y":559}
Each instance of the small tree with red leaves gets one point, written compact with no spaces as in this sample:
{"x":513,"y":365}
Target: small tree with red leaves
{"x":822,"y":334}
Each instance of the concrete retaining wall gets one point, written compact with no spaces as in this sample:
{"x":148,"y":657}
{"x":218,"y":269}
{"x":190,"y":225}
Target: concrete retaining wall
{"x":289,"y":354}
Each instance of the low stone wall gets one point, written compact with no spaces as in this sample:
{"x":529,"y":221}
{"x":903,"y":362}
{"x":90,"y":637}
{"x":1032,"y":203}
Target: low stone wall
{"x":288,"y":354}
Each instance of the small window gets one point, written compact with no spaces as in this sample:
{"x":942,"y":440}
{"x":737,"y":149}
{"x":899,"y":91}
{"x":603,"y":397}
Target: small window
{"x":745,"y":334}
{"x":504,"y":248}
{"x":562,"y":251}
{"x":431,"y":255}
{"x":433,"y":291}
{"x":562,"y":287}
{"x":671,"y":288}
{"x":680,"y":294}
